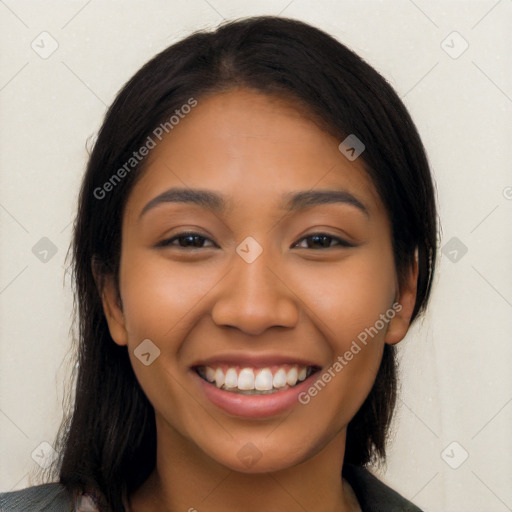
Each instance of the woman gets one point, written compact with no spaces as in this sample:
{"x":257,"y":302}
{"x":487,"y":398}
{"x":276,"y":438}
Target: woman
{"x":256,"y":230}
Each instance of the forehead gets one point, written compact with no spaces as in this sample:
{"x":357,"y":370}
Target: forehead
{"x":254,"y":148}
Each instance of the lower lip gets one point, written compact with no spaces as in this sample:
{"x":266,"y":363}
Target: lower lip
{"x":253,"y":406}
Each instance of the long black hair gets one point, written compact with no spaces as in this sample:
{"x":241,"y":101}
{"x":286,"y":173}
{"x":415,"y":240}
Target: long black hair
{"x":108,"y":440}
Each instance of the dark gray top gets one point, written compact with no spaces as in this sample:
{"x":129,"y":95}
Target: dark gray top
{"x":40,"y":498}
{"x":372,"y":494}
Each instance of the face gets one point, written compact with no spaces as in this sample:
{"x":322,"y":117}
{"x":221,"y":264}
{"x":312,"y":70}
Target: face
{"x":255,"y":279}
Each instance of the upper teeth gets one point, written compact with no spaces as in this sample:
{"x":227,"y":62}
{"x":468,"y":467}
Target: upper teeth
{"x":260,"y":379}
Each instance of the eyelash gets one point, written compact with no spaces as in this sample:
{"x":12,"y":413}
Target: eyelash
{"x":168,"y":242}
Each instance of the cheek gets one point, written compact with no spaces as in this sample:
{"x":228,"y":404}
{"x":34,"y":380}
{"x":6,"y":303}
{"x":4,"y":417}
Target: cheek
{"x":160,"y":303}
{"x":349,"y":296}
{"x":354,"y":298}
{"x":160,"y":296}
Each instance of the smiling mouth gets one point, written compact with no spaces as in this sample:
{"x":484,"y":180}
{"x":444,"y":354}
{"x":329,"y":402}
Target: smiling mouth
{"x":255,"y":381}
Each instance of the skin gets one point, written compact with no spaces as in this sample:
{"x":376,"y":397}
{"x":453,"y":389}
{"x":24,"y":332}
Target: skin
{"x":296,"y":298}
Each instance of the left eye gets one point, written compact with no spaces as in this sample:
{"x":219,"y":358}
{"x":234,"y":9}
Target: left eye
{"x":323,"y":239}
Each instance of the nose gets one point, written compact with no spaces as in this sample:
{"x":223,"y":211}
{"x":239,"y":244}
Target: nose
{"x":255,"y":296}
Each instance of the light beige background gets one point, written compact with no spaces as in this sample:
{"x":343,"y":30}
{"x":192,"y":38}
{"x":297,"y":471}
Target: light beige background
{"x":456,"y":376}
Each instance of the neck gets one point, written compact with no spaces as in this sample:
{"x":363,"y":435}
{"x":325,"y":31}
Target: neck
{"x":186,"y":479}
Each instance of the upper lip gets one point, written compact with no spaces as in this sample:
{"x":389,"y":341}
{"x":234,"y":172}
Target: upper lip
{"x":255,"y":360}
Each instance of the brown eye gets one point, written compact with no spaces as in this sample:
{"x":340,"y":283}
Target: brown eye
{"x":185,"y":240}
{"x":323,"y":241}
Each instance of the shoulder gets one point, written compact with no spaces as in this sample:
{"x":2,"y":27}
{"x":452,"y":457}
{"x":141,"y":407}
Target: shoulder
{"x":372,"y":494}
{"x":52,"y":497}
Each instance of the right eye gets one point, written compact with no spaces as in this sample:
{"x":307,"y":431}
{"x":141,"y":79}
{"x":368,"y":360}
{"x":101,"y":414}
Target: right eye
{"x":186,"y":240}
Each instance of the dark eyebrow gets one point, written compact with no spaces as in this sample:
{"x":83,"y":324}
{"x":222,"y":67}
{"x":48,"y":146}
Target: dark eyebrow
{"x":204,"y":198}
{"x":307,"y":199}
{"x":217,"y":203}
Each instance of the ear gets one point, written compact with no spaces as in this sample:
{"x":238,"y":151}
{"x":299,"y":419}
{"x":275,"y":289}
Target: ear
{"x":112,"y":305}
{"x":403,"y":306}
